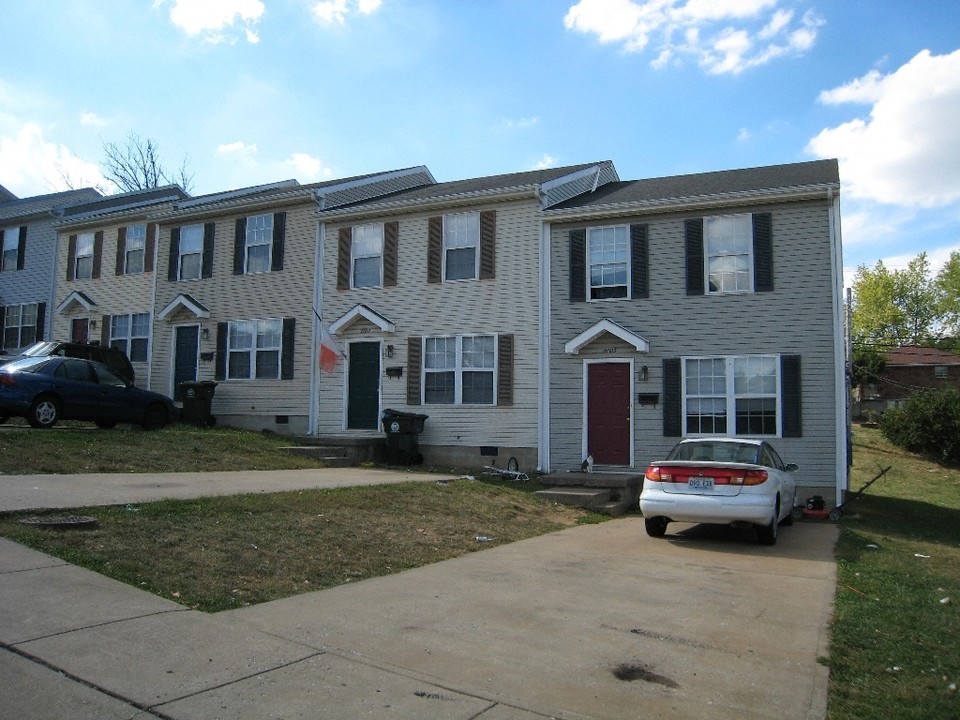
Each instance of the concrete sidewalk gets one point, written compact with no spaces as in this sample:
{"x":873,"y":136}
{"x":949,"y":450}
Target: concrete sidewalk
{"x":593,"y":622}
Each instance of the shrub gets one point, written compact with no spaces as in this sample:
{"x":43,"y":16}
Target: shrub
{"x":927,"y":423}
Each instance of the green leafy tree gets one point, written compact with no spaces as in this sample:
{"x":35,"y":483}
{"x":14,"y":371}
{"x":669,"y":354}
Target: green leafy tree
{"x":899,"y":307}
{"x":948,"y":284}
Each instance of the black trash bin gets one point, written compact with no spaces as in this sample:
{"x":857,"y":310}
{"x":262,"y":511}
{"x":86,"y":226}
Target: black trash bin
{"x":197,"y":400}
{"x":403,"y":429}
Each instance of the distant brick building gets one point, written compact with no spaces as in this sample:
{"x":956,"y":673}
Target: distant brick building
{"x":910,"y":369}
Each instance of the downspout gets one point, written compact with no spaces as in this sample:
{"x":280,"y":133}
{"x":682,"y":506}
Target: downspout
{"x":153,"y":302}
{"x":544,"y":331}
{"x":48,"y":320}
{"x":841,"y":361}
{"x":313,"y":420}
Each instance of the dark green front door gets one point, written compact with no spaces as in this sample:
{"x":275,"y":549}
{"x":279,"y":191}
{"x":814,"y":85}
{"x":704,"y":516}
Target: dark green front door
{"x":363,"y":391}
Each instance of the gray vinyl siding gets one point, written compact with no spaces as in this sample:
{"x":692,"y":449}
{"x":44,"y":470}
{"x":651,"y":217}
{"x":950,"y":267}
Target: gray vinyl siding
{"x":285,"y":293}
{"x":34,"y":283}
{"x":796,"y":318}
{"x":506,"y":304}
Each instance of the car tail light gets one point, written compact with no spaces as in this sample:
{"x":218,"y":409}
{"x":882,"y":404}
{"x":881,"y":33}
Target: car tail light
{"x":655,"y":474}
{"x":7,"y":379}
{"x":750,"y":477}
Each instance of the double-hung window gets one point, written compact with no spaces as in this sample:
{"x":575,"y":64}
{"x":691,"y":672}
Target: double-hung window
{"x":259,"y":243}
{"x":11,"y":250}
{"x":253,"y":349}
{"x":460,"y":370}
{"x":461,"y":246}
{"x":83,"y":261}
{"x":190,"y":257}
{"x":735,"y":395}
{"x":609,"y":261}
{"x":367,"y":255}
{"x":19,"y":326}
{"x":729,"y":253}
{"x":131,"y":335}
{"x":135,"y":243}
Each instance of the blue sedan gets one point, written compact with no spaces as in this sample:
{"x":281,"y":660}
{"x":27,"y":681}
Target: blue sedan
{"x":47,"y":389}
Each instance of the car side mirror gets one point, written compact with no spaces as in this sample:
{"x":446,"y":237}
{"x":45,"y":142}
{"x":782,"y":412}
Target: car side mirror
{"x":792,"y":467}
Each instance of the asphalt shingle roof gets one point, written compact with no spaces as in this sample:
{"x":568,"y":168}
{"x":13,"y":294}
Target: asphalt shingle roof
{"x":53,"y":203}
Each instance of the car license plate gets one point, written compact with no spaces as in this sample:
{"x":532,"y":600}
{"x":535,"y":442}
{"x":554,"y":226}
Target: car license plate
{"x":700,"y":483}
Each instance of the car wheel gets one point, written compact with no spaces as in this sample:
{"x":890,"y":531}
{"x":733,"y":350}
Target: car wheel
{"x":656,"y":526}
{"x":44,"y":412}
{"x":105,"y":424}
{"x":155,"y":417}
{"x":767,"y":534}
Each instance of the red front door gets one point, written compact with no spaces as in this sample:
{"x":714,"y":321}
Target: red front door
{"x":78,"y":330}
{"x":608,"y":413}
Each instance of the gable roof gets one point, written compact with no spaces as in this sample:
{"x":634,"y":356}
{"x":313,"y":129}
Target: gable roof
{"x":136,"y":200}
{"x":51,"y":205}
{"x":912,"y":355}
{"x":6,"y":195}
{"x":796,"y":180}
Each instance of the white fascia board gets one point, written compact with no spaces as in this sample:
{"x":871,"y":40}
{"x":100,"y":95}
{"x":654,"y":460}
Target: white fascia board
{"x":76,"y":297}
{"x":606,"y":325}
{"x":184,"y":301}
{"x":358,"y":312}
{"x":321,"y":193}
{"x":440,"y":202}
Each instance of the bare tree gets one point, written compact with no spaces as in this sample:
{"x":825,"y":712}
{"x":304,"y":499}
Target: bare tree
{"x":137,"y":166}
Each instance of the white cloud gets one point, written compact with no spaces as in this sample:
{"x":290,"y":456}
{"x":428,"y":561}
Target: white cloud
{"x":91,"y":119}
{"x":308,"y":168}
{"x":723,"y":36}
{"x":237,"y":148}
{"x":546,"y":162}
{"x":521,"y":123}
{"x":30,"y":165}
{"x":905,"y":151}
{"x":331,"y":11}
{"x":217,"y":20}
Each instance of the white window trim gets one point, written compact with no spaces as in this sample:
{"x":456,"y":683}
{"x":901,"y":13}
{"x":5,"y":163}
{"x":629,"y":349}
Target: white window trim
{"x":181,"y":254}
{"x":130,"y":337}
{"x":706,"y":257}
{"x":459,"y":369}
{"x":730,"y":396}
{"x":445,"y":248}
{"x":589,"y":265}
{"x":252,"y":352}
{"x":247,"y":244}
{"x":584,"y":424}
{"x":20,"y":325}
{"x":354,"y":255}
{"x":127,"y":250}
{"x":11,"y":242}
{"x":82,"y":237}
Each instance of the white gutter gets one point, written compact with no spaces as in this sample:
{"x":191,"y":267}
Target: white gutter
{"x":841,"y":395}
{"x":426,"y":204}
{"x":153,"y":302}
{"x":543,"y":381}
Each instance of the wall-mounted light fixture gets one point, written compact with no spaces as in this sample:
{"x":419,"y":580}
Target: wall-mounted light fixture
{"x":644,"y":372}
{"x":389,"y":351}
{"x":93,"y":324}
{"x":205,"y":333}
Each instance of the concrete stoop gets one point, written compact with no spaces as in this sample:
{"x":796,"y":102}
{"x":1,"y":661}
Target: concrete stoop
{"x":340,"y":452}
{"x":608,"y":493}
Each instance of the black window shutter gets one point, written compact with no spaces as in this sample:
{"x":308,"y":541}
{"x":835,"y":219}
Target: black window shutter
{"x":505,"y":370}
{"x":414,"y":351}
{"x":121,"y":250}
{"x":22,"y":247}
{"x":97,"y":252}
{"x":279,"y":238}
{"x":41,"y":319}
{"x":105,"y":330}
{"x":693,"y":231}
{"x":148,"y":247}
{"x":790,"y":396}
{"x":344,"y":248}
{"x":391,"y":241}
{"x":672,"y":400}
{"x":763,"y":252}
{"x":71,"y":257}
{"x":3,"y":316}
{"x":578,"y":265}
{"x":221,"y":371}
{"x":207,"y":267}
{"x":172,"y":270}
{"x":434,"y":249}
{"x":488,"y":244}
{"x":239,"y":245}
{"x":286,"y":355}
{"x":639,"y":262}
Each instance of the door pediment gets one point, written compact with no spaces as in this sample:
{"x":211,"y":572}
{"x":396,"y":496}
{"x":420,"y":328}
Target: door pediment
{"x":606,"y":326}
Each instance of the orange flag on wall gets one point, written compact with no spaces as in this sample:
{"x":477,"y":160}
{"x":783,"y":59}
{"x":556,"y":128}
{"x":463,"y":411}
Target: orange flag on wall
{"x":329,"y":350}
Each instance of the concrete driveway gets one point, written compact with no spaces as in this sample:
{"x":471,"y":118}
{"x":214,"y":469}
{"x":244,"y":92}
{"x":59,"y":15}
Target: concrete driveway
{"x":592,"y":622}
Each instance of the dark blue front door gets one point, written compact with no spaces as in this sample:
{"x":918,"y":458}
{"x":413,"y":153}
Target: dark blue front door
{"x":363,"y":391}
{"x":186,"y":346}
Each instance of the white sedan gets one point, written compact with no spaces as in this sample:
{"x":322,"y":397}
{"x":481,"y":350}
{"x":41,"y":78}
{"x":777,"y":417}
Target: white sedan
{"x":720,"y":480}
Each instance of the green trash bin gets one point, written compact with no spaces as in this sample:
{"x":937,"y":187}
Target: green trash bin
{"x":403,"y":429}
{"x":197,"y":402}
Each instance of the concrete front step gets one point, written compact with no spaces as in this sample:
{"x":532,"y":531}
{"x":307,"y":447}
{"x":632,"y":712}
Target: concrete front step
{"x":590,"y":498}
{"x":608,"y":493}
{"x":331,"y":456}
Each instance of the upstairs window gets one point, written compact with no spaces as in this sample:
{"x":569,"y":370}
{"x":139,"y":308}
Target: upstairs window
{"x":83,"y":261}
{"x":135,"y":244}
{"x":609,"y":259}
{"x":11,"y":250}
{"x":461,"y":243}
{"x":367,"y":255}
{"x":131,"y":335}
{"x":259,"y":242}
{"x":190,"y":253}
{"x":729,"y":253}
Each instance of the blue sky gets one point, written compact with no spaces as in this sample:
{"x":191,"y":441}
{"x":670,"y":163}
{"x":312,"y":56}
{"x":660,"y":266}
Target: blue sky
{"x":255,"y":91}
